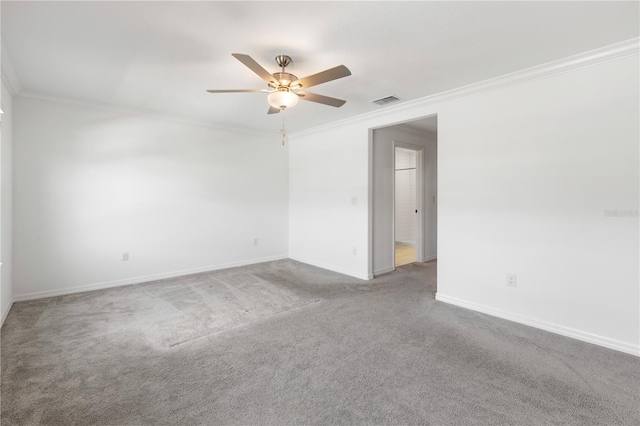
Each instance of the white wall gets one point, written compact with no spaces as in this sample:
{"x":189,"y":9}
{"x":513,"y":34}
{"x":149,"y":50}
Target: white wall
{"x":6,"y":231}
{"x":528,"y":164}
{"x":328,"y":194}
{"x":92,"y":183}
{"x":382,"y":230}
{"x":430,"y":251}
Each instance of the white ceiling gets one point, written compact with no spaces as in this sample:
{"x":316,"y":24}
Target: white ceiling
{"x":162,"y":56}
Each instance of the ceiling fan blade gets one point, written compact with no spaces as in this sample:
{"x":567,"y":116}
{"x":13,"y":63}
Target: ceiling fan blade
{"x":326,"y":100}
{"x":273,"y":110}
{"x":255,"y":67}
{"x":239,"y":91}
{"x":324,"y":76}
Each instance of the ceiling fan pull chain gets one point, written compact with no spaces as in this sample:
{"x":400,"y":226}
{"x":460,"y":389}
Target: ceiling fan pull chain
{"x":284,"y":132}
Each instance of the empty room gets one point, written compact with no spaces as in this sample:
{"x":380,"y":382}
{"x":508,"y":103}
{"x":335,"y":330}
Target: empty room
{"x":292,"y":213}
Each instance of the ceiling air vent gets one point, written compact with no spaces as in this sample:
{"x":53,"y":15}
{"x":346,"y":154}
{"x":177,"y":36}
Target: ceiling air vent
{"x":386,"y":100}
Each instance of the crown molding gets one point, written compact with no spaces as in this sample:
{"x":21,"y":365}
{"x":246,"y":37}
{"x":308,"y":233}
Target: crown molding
{"x":590,"y":58}
{"x":74,"y":102}
{"x":8,"y":73}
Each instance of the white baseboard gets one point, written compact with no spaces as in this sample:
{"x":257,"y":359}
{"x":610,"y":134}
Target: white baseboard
{"x":584,"y":336}
{"x":391,"y":269}
{"x":140,"y":279}
{"x":333,"y":268}
{"x":383,"y":271}
{"x":5,"y":313}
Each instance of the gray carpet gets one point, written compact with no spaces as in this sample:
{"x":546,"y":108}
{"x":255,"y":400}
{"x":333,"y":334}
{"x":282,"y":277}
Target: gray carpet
{"x":286,"y":343}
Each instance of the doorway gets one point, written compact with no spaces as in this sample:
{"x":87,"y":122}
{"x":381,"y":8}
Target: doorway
{"x":407,"y":217}
{"x":420,"y":137}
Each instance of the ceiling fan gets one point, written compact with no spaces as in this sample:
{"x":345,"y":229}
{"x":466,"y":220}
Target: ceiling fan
{"x":284,"y":88}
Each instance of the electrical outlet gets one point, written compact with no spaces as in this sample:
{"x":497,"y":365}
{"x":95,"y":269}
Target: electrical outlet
{"x":511,"y":280}
{"x":355,"y":251}
{"x":125,"y":256}
{"x":255,"y":242}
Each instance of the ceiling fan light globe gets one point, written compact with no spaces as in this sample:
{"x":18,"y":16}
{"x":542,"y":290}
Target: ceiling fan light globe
{"x":282,"y":99}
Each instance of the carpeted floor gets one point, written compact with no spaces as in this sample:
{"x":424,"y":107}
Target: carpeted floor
{"x":286,"y":343}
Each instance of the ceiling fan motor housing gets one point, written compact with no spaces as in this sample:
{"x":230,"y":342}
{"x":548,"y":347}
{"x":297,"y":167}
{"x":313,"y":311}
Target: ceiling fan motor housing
{"x":284,"y":78}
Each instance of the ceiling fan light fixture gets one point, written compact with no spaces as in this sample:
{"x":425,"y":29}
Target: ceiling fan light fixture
{"x":282,"y":99}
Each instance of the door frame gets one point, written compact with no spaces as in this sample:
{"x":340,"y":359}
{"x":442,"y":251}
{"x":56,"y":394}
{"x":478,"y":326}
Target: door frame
{"x":419,"y":200}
